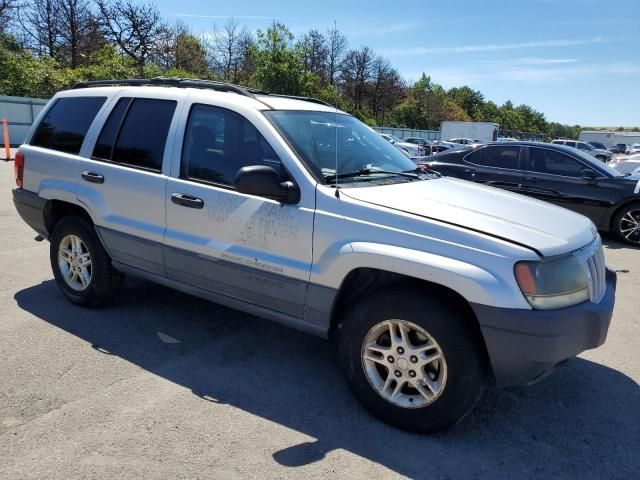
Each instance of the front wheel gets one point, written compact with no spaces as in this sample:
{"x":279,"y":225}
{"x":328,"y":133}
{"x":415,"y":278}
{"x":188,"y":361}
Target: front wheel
{"x":412,"y":360}
{"x":626,"y":224}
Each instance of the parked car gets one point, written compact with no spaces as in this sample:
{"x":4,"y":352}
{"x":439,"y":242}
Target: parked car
{"x":463,"y":141}
{"x":602,"y":155}
{"x":633,"y":149}
{"x":411,"y":149}
{"x":631,"y":166}
{"x":562,"y":175}
{"x":417,"y":140}
{"x":291,"y":210}
{"x":618,"y":148}
{"x":598,"y":145}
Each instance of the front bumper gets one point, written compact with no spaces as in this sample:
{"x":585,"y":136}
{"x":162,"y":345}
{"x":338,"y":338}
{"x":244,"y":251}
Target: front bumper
{"x":32,"y":209}
{"x":527,"y":345}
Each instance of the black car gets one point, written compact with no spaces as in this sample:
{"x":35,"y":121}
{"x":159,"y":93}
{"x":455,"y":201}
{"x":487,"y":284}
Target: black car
{"x":599,"y":145}
{"x":558,"y":174}
{"x":618,"y":148}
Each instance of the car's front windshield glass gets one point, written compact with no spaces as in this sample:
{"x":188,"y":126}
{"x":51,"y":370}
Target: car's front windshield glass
{"x":337,"y":144}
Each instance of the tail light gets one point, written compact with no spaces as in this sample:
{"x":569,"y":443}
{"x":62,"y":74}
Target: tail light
{"x":18,"y":167}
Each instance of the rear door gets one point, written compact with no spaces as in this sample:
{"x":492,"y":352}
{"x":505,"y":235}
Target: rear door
{"x":124,"y":179}
{"x":495,"y":165}
{"x":558,"y":178}
{"x":249,"y":248}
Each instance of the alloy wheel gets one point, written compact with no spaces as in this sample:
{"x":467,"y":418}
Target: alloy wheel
{"x":404,"y":364}
{"x":74,"y":262}
{"x":630,"y":226}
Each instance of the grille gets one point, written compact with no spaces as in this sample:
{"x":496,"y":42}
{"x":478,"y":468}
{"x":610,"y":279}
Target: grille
{"x":592,"y":257}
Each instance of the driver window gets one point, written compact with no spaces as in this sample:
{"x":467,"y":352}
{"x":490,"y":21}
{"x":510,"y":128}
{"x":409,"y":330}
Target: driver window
{"x":219,"y":142}
{"x":554,"y":163}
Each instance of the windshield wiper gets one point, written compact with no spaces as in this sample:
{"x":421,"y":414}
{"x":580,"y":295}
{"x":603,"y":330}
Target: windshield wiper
{"x":370,"y":171}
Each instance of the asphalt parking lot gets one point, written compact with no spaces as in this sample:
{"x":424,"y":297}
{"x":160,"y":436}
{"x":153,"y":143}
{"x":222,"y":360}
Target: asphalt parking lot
{"x":163,"y":385}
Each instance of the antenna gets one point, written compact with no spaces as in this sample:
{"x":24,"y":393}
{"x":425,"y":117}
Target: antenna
{"x":335,"y":122}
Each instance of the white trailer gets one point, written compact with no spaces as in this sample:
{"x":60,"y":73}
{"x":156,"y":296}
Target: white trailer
{"x":609,"y":137}
{"x":481,"y":131}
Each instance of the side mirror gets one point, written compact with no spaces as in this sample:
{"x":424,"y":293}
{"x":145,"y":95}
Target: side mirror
{"x":263,"y":181}
{"x":589,"y":175}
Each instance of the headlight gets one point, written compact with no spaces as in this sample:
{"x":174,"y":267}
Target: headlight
{"x":553,"y":284}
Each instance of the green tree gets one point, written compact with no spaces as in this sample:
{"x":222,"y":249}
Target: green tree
{"x":279,"y":68}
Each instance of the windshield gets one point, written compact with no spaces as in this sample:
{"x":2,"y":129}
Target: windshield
{"x":327,"y":140}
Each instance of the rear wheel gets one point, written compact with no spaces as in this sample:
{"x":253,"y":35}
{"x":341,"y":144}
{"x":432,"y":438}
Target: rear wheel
{"x":81,"y":267}
{"x":411,"y":360}
{"x":626,"y":224}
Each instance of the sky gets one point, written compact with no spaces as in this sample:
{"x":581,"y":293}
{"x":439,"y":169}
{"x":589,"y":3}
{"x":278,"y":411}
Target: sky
{"x":577,"y":61}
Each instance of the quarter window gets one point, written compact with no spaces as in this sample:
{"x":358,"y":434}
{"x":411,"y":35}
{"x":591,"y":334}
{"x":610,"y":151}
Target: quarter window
{"x":66,"y":123}
{"x":498,"y":157}
{"x":219,"y":142}
{"x":139,"y":139}
{"x":543,"y":160}
{"x":104,"y":146}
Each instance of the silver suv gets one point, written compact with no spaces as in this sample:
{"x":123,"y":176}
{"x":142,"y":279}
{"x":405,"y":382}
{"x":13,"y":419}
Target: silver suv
{"x":602,"y":155}
{"x":432,"y":288}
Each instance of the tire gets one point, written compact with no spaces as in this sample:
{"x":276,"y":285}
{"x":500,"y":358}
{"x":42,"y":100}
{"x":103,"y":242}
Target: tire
{"x":103,"y":282}
{"x":622,"y":222}
{"x":461,"y":374}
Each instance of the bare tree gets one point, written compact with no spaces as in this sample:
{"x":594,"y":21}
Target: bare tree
{"x":387,"y":88}
{"x":137,"y":29}
{"x":314,"y":52}
{"x":230,"y":51}
{"x":75,"y":24}
{"x":336,"y":46}
{"x":7,"y":10}
{"x":41,"y":27}
{"x":356,"y":74}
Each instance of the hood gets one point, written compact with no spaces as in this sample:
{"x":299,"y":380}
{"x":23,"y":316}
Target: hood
{"x":541,"y":226}
{"x":598,"y":151}
{"x":408,"y":145}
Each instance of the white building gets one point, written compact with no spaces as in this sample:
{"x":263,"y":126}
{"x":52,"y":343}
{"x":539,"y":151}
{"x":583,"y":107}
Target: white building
{"x":609,"y":137}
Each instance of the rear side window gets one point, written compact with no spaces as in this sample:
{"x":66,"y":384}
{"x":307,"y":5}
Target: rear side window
{"x":138,"y":139}
{"x":498,"y":157}
{"x":66,"y":123}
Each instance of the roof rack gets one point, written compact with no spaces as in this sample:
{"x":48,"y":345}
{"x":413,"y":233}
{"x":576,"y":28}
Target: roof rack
{"x":172,"y":82}
{"x":193,"y":83}
{"x":306,"y":99}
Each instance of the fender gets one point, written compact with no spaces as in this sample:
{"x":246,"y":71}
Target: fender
{"x":475,"y":284}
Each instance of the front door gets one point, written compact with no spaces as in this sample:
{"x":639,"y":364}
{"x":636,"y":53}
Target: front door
{"x":559,"y":178}
{"x":250,"y":248}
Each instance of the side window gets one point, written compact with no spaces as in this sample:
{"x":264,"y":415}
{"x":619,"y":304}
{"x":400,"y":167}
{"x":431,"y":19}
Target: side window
{"x":138,"y":139}
{"x":498,"y":157}
{"x":583,"y":146}
{"x":219,"y":142}
{"x":104,"y":146}
{"x":543,"y":160}
{"x":66,"y":123}
{"x":571,"y":144}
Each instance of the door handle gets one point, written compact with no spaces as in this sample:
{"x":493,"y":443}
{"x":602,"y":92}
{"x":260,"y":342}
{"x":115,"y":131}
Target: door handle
{"x":92,"y":177}
{"x":530,"y":179}
{"x":187,"y":200}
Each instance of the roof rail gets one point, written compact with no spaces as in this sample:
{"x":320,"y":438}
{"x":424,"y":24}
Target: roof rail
{"x":193,"y":83}
{"x":306,"y":99}
{"x":172,"y":82}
